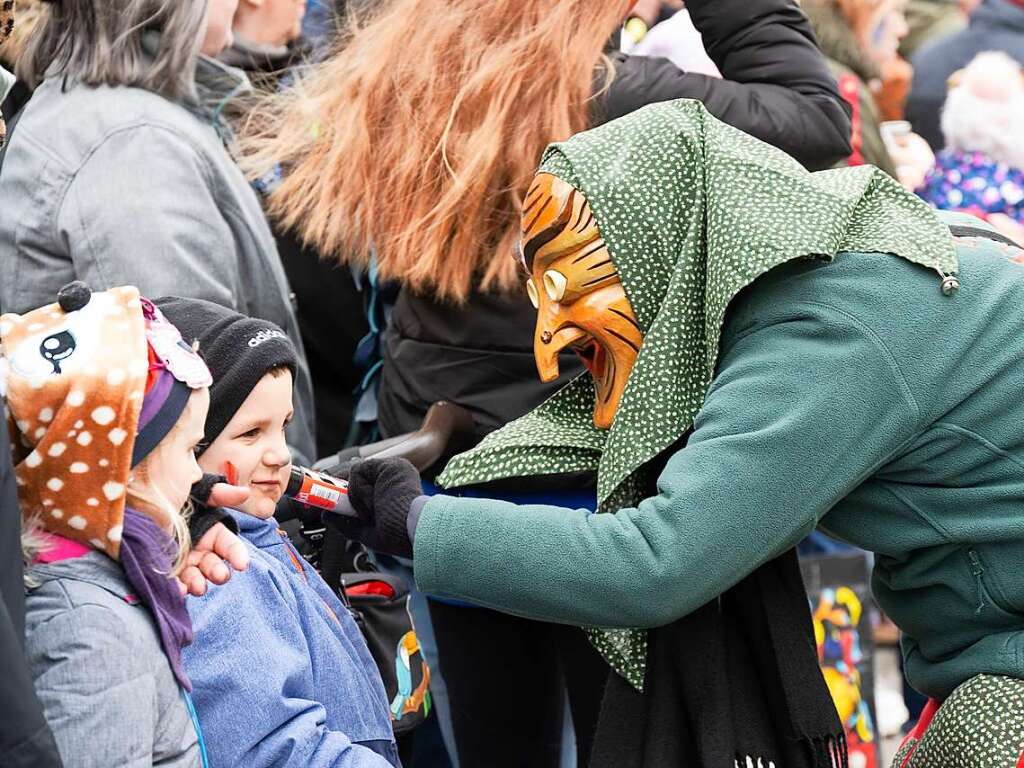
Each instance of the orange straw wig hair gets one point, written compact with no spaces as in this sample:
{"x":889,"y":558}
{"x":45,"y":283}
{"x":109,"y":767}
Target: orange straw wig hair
{"x":418,"y":138}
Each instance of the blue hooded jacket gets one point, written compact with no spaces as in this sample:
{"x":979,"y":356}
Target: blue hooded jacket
{"x":282,"y":676}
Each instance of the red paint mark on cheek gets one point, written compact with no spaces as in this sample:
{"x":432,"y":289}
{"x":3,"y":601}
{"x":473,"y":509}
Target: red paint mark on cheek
{"x":230,"y":471}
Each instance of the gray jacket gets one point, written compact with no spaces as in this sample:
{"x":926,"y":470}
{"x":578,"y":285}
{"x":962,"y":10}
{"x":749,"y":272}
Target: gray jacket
{"x":120,"y":186}
{"x":100,"y":672}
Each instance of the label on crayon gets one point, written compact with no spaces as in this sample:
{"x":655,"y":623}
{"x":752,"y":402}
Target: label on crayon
{"x":316,"y":493}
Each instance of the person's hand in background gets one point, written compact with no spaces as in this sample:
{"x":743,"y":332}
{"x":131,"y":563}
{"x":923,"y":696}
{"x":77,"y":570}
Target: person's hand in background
{"x":910,"y":153}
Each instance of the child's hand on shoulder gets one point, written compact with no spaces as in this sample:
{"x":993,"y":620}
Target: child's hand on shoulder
{"x":205,"y":561}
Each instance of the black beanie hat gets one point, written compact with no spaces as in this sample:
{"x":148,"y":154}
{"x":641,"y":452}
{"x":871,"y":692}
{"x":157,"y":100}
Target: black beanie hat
{"x":238,"y":350}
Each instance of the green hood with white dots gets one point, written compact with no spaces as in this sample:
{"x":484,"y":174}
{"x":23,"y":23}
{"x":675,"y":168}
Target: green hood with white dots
{"x":692,"y":211}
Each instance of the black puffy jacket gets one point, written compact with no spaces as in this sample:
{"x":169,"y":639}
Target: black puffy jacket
{"x":776,"y":86}
{"x":775,"y":83}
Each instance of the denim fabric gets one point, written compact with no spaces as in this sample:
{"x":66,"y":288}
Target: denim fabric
{"x":100,"y":672}
{"x":281,"y":674}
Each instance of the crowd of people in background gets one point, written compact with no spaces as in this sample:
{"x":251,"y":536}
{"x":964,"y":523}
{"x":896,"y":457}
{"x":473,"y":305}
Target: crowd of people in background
{"x":238,"y":236}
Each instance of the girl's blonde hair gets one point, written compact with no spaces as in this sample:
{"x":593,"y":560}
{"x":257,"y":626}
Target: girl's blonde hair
{"x":145,"y":496}
{"x":418,"y":138}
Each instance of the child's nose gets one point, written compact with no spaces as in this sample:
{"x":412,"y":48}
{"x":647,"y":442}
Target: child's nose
{"x":277,"y":455}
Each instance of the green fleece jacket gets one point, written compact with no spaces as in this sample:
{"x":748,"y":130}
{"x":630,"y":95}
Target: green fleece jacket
{"x":852,"y":395}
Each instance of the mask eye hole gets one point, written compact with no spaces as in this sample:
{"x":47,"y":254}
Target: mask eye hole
{"x":554,"y":284}
{"x":531,"y":291}
{"x":57,"y":347}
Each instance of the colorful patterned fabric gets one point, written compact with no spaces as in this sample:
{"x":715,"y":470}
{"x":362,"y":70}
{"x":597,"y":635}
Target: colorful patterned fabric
{"x":692,"y":211}
{"x":981,"y":725}
{"x":973,"y":182}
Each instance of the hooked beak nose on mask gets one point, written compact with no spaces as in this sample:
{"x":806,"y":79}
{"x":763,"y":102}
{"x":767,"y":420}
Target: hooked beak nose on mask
{"x":575,"y":287}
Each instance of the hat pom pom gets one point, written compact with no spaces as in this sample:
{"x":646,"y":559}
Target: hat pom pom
{"x":73,"y":296}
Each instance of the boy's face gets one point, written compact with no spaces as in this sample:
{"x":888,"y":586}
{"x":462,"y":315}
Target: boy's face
{"x":251,"y":450}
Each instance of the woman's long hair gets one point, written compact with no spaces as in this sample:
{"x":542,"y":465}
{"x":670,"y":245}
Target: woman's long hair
{"x":418,"y":138}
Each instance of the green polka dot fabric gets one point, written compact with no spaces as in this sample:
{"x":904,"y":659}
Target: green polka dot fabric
{"x":981,"y":725}
{"x":693,"y":211}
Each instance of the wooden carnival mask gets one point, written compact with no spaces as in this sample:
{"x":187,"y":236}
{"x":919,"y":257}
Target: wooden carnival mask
{"x":575,"y":286}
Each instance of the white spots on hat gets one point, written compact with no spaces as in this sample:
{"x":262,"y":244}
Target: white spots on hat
{"x":135,"y":396}
{"x":116,"y":377}
{"x":117,"y":435}
{"x":79,"y":424}
{"x":18,"y":479}
{"x":84,"y":439}
{"x":46,"y":415}
{"x":103,"y":415}
{"x":40,"y":432}
{"x":23,"y":426}
{"x":47,"y":502}
{"x":54,"y":484}
{"x":56,"y":514}
{"x":92,"y":502}
{"x":77,"y":522}
{"x":33,"y":460}
{"x":96,"y":543}
{"x":57,"y":449}
{"x":104,"y":463}
{"x":72,"y":433}
{"x":113,"y":490}
{"x":78,"y":468}
{"x":75,"y":397}
{"x":114,"y":534}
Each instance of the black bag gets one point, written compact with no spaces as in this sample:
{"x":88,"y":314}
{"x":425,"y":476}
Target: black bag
{"x":380,"y":604}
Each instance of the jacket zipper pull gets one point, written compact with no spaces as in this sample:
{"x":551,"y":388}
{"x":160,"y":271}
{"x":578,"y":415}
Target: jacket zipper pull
{"x":978,"y":571}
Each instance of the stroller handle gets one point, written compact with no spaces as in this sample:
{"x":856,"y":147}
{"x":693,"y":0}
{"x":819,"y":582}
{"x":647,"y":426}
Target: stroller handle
{"x":443,"y":423}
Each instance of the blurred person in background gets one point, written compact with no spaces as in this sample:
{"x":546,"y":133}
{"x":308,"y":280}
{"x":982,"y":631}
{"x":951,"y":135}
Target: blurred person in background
{"x":861,"y":38}
{"x":932,"y":20}
{"x":994,"y":25}
{"x":265,"y":35}
{"x":118,"y":173}
{"x":981,"y":170}
{"x":417,"y":141}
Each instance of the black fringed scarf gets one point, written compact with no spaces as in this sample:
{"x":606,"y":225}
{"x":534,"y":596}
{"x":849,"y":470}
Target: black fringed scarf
{"x":735,"y":683}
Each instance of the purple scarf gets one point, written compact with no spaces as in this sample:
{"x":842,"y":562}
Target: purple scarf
{"x":147,"y":552}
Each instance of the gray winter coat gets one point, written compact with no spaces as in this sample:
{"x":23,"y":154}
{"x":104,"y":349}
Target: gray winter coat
{"x":120,"y":186}
{"x":100,"y":672}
